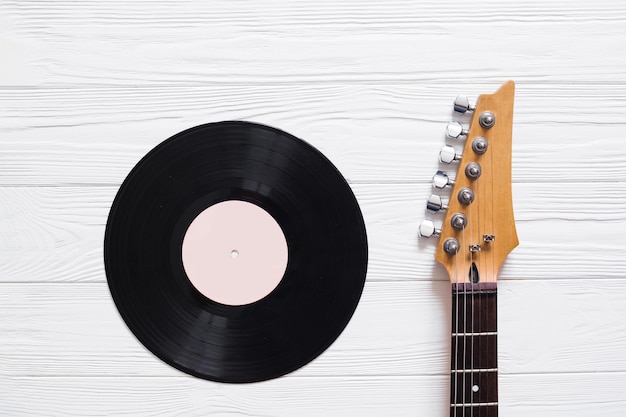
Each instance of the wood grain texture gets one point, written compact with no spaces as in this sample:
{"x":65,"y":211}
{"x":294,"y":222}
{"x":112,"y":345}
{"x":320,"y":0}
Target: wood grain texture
{"x":491,"y":208}
{"x":374,"y":134}
{"x":55,"y":234}
{"x":74,"y":330}
{"x":137,"y":42}
{"x":558,"y":395}
{"x":87,"y":88}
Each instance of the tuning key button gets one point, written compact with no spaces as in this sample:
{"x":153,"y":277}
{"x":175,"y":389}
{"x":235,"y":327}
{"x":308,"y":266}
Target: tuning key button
{"x":466,"y":196}
{"x":441,"y":180}
{"x":479,"y":145}
{"x":487,"y":119}
{"x":473,"y":171}
{"x":428,"y":229}
{"x":448,"y":154}
{"x":458,"y":221}
{"x":435,"y":204}
{"x":462,"y":105}
{"x":451,"y":246}
{"x":455,"y":130}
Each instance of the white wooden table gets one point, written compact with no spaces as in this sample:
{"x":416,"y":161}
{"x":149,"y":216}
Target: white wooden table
{"x":88,"y":87}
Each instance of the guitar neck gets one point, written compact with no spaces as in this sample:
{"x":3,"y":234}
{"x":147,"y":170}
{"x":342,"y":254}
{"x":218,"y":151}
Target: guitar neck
{"x":474,"y":363}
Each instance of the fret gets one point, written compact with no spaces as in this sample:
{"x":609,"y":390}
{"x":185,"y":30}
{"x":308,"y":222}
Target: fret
{"x":492,"y":404}
{"x":474,"y":410}
{"x":475,"y":334}
{"x":479,"y":318}
{"x":482,"y":287}
{"x":474,"y":370}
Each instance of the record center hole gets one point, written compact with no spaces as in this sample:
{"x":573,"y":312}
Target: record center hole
{"x":234,"y":253}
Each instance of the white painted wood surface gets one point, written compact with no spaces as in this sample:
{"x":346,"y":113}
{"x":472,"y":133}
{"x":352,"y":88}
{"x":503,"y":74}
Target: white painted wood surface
{"x":87,"y":88}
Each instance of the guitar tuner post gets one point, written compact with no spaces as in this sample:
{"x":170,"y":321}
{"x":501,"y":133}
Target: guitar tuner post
{"x":473,"y":170}
{"x":451,"y":246}
{"x":458,"y":221}
{"x":487,"y":119}
{"x":466,"y":196}
{"x":479,"y":145}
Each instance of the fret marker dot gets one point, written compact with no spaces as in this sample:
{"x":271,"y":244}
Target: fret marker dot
{"x":475,"y":388}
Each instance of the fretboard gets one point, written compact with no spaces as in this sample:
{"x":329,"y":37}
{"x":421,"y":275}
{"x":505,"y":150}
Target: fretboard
{"x":474,"y":364}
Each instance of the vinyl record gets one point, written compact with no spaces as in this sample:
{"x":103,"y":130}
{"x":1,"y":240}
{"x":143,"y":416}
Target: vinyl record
{"x":235,"y":252}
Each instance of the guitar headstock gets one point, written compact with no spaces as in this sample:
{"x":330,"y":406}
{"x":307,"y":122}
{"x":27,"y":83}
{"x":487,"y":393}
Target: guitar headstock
{"x":478,"y":230}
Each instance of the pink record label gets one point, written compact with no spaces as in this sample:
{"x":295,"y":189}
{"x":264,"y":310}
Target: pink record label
{"x":234,"y":252}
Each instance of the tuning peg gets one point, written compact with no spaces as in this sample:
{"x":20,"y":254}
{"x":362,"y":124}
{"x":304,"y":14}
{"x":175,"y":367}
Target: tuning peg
{"x":487,"y":119}
{"x":441,"y":180}
{"x":451,"y":246}
{"x":455,"y":130}
{"x":462,"y":105}
{"x":448,"y":154}
{"x":428,"y":229}
{"x":435,"y":204}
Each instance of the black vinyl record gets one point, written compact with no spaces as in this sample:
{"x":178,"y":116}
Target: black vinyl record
{"x":299,"y":188}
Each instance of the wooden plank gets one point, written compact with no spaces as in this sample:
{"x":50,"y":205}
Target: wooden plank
{"x":130,"y":43}
{"x":80,"y":323}
{"x":399,"y":328}
{"x":55,"y":234}
{"x":188,"y":396}
{"x":375,"y":134}
{"x":394,"y":16}
{"x":563,"y":395}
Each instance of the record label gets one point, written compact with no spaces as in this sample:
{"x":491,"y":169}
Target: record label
{"x":235,"y":252}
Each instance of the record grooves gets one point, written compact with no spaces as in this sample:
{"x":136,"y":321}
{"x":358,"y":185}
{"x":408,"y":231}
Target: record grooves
{"x":299,"y":188}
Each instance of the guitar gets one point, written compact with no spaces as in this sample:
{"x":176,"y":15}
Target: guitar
{"x":477,"y":234}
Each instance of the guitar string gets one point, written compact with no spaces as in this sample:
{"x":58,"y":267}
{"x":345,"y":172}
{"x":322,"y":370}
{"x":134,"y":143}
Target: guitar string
{"x":457,"y":331}
{"x":489,"y":256}
{"x":493,"y":321}
{"x":488,"y":220}
{"x":456,"y":336}
{"x":474,"y":273}
{"x":478,"y":301}
{"x":460,"y":328}
{"x":464,"y":337}
{"x":471,"y":284}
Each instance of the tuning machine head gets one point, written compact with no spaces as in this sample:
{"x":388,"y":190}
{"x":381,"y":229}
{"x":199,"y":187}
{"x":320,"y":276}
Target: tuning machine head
{"x":428,"y":229}
{"x":455,"y":130}
{"x":442,"y":180}
{"x":462,"y":105}
{"x":448,"y":154}
{"x":435,"y":203}
{"x":487,"y":119}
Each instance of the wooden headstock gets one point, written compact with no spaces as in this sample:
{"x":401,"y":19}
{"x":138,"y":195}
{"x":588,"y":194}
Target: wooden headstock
{"x":488,"y":234}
